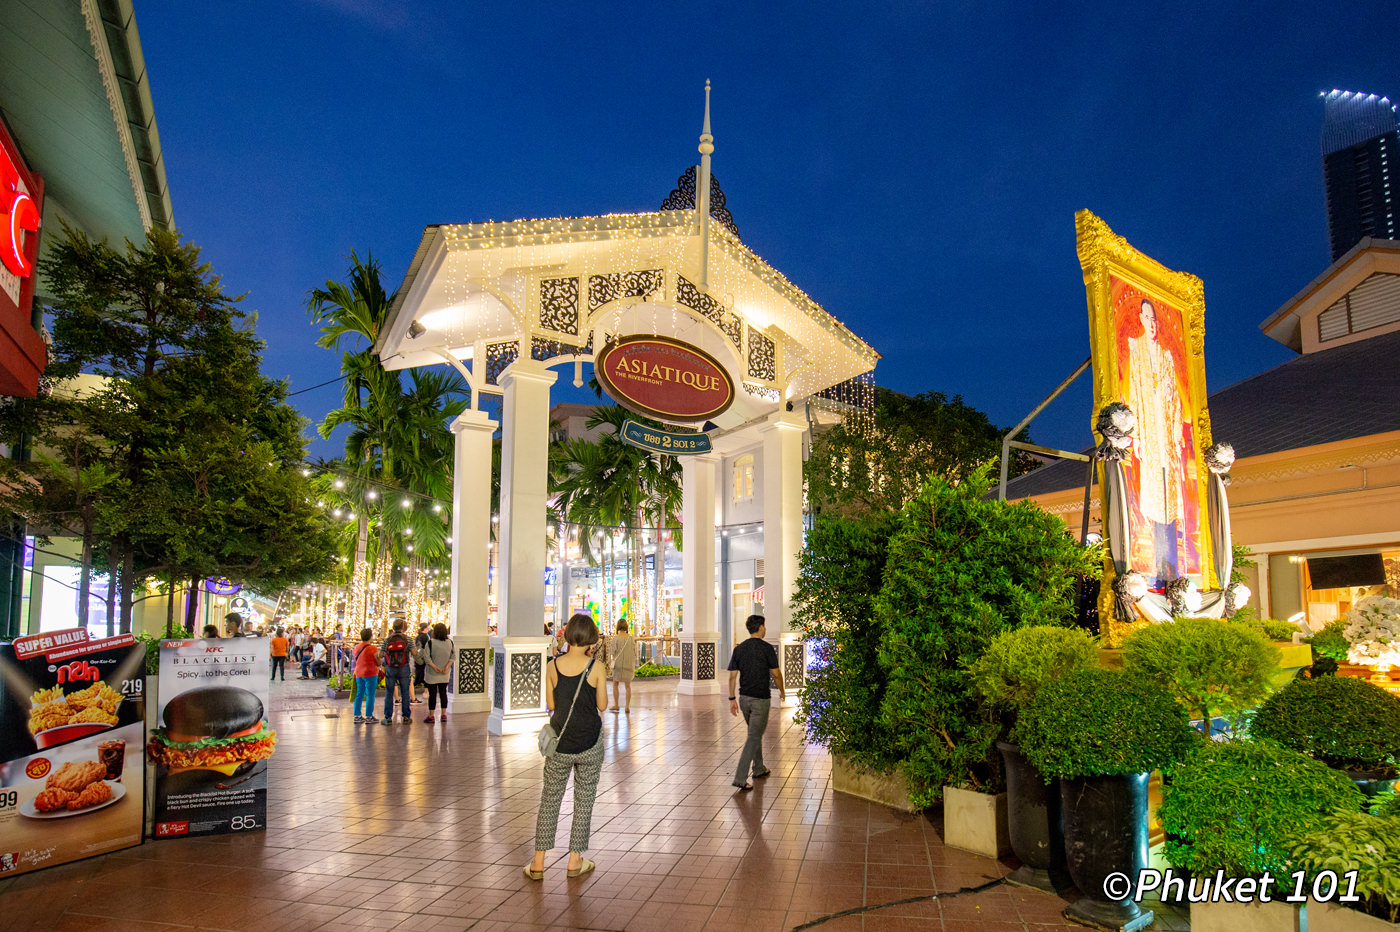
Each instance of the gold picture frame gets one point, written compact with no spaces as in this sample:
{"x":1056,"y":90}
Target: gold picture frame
{"x":1147,"y":344}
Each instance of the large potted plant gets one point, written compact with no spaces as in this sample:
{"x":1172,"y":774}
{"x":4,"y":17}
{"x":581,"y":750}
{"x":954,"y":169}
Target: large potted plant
{"x":1239,"y":807}
{"x":1016,"y":665}
{"x":1212,"y":667}
{"x":1354,"y":841}
{"x":1341,"y":721}
{"x":1103,"y":732}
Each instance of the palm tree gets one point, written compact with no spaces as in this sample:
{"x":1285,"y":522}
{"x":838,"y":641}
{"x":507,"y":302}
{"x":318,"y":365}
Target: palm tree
{"x":610,"y":483}
{"x":399,"y":439}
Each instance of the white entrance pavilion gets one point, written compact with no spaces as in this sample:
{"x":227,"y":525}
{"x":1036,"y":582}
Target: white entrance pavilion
{"x":510,"y":305}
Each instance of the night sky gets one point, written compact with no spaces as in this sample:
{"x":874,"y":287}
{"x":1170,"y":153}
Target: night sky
{"x":915,"y":167}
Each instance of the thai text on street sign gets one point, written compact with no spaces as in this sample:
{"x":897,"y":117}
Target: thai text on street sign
{"x":662,"y":441}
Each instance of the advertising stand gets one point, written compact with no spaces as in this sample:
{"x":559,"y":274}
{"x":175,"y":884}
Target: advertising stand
{"x":211,"y":741}
{"x":72,"y":713}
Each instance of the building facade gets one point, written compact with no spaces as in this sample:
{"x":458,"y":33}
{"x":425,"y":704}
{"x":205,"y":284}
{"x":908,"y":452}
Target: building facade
{"x":1359,"y":145}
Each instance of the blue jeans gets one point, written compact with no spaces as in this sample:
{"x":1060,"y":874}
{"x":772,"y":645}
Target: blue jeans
{"x":365,"y":688}
{"x":403,"y":676}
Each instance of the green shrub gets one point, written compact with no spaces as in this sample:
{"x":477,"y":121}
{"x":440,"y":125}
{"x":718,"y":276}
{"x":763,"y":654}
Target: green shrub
{"x":1212,"y":667}
{"x":1240,"y":806}
{"x":1103,"y":722}
{"x":342,"y":681}
{"x":1340,"y":720}
{"x":1367,"y":844}
{"x":841,"y":567}
{"x":152,"y":645}
{"x":1386,"y":804}
{"x":1276,"y":630}
{"x":963,"y":568}
{"x":656,"y":669}
{"x":1018,"y":663}
{"x":1331,"y":641}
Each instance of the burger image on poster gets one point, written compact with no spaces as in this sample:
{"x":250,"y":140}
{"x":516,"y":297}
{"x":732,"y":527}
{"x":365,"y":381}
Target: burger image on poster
{"x":212,"y":733}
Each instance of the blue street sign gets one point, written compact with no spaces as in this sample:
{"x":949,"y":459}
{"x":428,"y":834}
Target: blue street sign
{"x":676,"y":443}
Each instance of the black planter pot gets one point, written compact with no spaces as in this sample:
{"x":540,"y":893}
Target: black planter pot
{"x":1034,"y":823}
{"x":1105,"y":822}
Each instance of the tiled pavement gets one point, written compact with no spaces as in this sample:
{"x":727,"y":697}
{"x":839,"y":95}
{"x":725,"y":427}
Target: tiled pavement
{"x":426,"y":827}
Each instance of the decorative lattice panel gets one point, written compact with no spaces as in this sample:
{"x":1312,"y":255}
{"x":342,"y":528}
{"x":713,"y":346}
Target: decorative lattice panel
{"x":763,"y":359}
{"x":727,"y":321}
{"x":498,"y":357}
{"x":793,"y":668}
{"x":682,"y":197}
{"x":500,"y":690}
{"x":471,"y":670}
{"x":705,"y":661}
{"x":525,"y":691}
{"x":615,"y":285}
{"x":559,"y":304}
{"x":687,"y":660}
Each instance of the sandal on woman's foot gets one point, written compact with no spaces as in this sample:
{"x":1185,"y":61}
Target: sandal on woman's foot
{"x":584,"y":866}
{"x":531,"y":874}
{"x":760,"y":776}
{"x":743,"y":787}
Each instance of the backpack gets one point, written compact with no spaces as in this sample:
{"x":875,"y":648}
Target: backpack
{"x":396,"y":651}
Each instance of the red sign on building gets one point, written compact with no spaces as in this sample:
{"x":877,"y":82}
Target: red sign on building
{"x":664,"y":378}
{"x":22,"y":352}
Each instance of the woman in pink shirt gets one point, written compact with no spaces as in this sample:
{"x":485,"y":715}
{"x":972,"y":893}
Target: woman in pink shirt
{"x":366,"y":660}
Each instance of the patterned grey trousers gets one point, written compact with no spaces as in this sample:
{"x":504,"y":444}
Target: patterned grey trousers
{"x":586,"y":767}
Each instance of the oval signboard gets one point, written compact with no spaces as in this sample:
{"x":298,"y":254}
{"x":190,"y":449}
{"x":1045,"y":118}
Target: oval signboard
{"x":664,"y":378}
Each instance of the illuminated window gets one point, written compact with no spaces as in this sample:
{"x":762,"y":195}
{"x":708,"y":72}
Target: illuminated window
{"x":743,"y":478}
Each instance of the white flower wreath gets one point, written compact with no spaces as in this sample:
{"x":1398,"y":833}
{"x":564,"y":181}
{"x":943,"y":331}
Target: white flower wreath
{"x":1373,"y":631}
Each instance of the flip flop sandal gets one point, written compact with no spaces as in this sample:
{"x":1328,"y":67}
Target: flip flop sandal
{"x":532,"y":874}
{"x":584,"y":866}
{"x":743,"y":788}
{"x":760,"y":776}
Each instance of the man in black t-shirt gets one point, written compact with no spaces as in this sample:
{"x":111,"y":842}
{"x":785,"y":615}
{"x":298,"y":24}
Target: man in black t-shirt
{"x":751,"y":666}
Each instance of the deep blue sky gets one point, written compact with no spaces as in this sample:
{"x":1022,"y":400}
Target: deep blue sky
{"x":915,"y":167}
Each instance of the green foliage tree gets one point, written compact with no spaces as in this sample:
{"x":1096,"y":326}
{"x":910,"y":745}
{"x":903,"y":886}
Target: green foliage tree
{"x":1098,"y":722}
{"x":1342,"y":721}
{"x":399,"y":436}
{"x":1212,"y":667}
{"x":1240,"y":806}
{"x":1019,"y":663}
{"x":178,"y":402}
{"x":962,"y":568}
{"x":841,"y":570}
{"x":862,"y":466}
{"x":608,"y":483}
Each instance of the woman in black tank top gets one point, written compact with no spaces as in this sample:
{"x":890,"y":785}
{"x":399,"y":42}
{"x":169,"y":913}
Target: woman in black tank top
{"x":580,"y":748}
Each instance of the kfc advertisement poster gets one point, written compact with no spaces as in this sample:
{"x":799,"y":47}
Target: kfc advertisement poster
{"x":210,"y":742}
{"x":72,"y":714}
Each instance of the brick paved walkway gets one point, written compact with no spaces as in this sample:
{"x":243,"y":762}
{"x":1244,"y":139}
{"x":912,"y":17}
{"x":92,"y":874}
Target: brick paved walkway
{"x":427,"y":826}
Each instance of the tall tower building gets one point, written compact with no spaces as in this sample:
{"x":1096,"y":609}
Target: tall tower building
{"x":1359,"y":145}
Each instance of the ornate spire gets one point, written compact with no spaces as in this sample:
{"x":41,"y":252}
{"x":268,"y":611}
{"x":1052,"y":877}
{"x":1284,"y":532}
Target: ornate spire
{"x":702,"y":193}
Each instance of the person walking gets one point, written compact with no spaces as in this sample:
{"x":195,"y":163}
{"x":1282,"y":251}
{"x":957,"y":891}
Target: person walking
{"x":437,"y":669}
{"x":396,"y":654}
{"x":576,"y":691}
{"x":419,"y":643}
{"x":751,"y":665}
{"x":278,"y":646}
{"x":365,"y":662}
{"x":622,"y":658}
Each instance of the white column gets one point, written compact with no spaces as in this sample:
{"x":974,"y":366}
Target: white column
{"x":518,"y":691}
{"x":699,"y":637}
{"x":471,"y":530}
{"x":782,"y":536}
